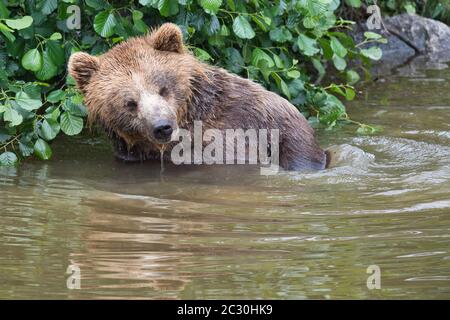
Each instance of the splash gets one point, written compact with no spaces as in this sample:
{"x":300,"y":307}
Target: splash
{"x":348,"y":155}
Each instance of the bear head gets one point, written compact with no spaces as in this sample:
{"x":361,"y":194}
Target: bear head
{"x":138,"y":90}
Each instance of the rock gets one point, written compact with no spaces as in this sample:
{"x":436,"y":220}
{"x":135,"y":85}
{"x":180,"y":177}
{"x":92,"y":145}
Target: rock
{"x":409,"y":37}
{"x":426,"y":36}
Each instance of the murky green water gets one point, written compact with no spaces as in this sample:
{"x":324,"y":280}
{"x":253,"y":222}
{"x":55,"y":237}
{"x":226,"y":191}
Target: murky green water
{"x":231,"y":233}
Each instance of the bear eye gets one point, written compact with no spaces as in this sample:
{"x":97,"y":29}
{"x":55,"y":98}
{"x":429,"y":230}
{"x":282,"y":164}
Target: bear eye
{"x":131,"y":104}
{"x":163,"y":92}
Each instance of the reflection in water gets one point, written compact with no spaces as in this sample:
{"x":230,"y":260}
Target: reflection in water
{"x":228,"y":232}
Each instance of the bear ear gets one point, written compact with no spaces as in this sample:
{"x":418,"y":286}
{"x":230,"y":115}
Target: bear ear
{"x":168,"y":37}
{"x":81,"y":67}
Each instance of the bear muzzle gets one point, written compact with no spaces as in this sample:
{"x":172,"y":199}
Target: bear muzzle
{"x":162,"y":130}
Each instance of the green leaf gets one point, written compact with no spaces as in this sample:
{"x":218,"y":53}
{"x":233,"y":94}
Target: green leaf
{"x":49,"y":69}
{"x":285,"y":89}
{"x":310,"y":22}
{"x":337,"y":47}
{"x":12,"y":116}
{"x":349,"y":94}
{"x":139,"y":25}
{"x":4,"y":12}
{"x":42,"y":150}
{"x":49,"y":129}
{"x":330,"y":108}
{"x":410,"y":8}
{"x":4,"y":135}
{"x":137,"y":15}
{"x":224,"y":31}
{"x":242,"y":28}
{"x":373,"y":53}
{"x":26,"y":102}
{"x":234,"y":60}
{"x":307,"y":45}
{"x":33,"y":90}
{"x":231,"y":4}
{"x":352,"y":77}
{"x":354,"y":3}
{"x":339,"y":63}
{"x":278,"y":62}
{"x":52,"y":113}
{"x":19,"y":24}
{"x":281,"y":85}
{"x":280,"y":34}
{"x":296,"y":87}
{"x":77,"y":99}
{"x":98,"y":4}
{"x":48,"y":6}
{"x":259,"y":55}
{"x":214,"y":25}
{"x":294,"y":74}
{"x":372,"y":35}
{"x":318,"y":66}
{"x":211,"y":6}
{"x":7,"y":32}
{"x":202,"y":54}
{"x":26,"y":147}
{"x":8,"y":159}
{"x":5,"y":27}
{"x":55,"y":36}
{"x":167,"y":7}
{"x":70,"y":124}
{"x":337,"y":89}
{"x":105,"y":24}
{"x":263,"y":22}
{"x":75,"y":108}
{"x":55,"y":52}
{"x":56,"y":96}
{"x":32,"y":60}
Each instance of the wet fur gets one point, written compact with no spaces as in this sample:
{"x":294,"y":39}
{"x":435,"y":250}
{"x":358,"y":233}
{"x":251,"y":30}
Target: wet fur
{"x":219,"y":99}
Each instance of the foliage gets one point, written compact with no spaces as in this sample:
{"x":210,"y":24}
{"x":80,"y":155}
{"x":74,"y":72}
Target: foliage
{"x":435,"y":9}
{"x":286,"y":45}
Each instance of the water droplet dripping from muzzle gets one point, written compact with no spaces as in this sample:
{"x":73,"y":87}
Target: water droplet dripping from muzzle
{"x":162,"y":148}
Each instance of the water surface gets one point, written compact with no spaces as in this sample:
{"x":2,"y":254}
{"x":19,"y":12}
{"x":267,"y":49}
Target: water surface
{"x":231,"y":233}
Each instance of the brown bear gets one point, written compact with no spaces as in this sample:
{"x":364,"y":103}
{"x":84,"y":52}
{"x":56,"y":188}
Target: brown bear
{"x":146,"y":88}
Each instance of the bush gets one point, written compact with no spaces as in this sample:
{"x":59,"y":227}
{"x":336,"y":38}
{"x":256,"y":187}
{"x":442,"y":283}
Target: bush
{"x":285,"y":45}
{"x":435,"y":9}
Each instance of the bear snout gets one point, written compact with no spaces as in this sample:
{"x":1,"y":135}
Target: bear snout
{"x":162,"y":130}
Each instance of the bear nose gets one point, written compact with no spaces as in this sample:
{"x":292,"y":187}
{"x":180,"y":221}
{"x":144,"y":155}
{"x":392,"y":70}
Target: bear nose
{"x":163,"y":130}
